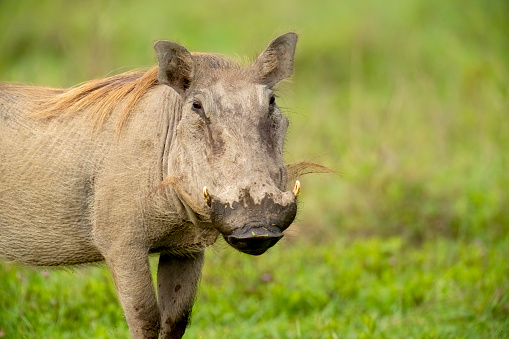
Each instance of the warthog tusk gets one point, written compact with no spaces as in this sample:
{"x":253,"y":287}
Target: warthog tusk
{"x":206,"y":196}
{"x":296,"y":189}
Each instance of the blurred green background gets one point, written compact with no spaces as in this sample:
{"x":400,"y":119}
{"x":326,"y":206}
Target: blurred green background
{"x":407,"y":100}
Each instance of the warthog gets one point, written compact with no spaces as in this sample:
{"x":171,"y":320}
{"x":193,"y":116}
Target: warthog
{"x":162,"y":161}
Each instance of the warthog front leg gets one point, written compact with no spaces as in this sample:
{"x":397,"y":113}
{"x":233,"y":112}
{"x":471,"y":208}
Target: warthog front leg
{"x":177,"y":281}
{"x":131,"y":272}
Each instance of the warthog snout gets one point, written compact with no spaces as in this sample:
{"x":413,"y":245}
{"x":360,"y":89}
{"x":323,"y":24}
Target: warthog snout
{"x":254,"y":240}
{"x":249,"y":224}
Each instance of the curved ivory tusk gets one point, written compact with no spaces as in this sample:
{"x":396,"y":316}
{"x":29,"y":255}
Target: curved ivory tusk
{"x":206,"y":196}
{"x":296,"y":189}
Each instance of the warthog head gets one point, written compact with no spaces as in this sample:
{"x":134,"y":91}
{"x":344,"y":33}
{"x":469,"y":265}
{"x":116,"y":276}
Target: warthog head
{"x":227,"y":149}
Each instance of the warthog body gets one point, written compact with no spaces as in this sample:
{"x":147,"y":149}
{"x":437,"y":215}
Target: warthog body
{"x":115,"y":169}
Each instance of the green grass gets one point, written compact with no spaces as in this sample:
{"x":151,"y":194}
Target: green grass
{"x":407,"y":100}
{"x":372,"y":288}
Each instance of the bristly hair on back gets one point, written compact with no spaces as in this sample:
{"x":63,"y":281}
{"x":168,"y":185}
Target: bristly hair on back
{"x":101,"y":96}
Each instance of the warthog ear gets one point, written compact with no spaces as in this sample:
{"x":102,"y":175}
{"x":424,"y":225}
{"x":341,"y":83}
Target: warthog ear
{"x":276,"y":62}
{"x":176,"y":65}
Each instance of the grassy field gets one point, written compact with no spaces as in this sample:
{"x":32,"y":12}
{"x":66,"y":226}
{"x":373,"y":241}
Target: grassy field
{"x":408,"y":100}
{"x":374,"y":288}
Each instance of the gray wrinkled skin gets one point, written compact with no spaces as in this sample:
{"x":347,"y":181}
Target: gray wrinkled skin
{"x":69,"y":195}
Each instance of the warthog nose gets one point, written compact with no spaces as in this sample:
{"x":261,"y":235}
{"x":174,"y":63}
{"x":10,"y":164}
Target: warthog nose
{"x":254,"y":240}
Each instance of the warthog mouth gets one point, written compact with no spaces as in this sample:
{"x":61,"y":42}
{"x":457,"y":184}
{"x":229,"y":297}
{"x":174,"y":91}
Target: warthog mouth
{"x":254,"y":240}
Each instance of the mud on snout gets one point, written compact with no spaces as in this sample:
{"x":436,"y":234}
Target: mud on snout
{"x":253,"y":227}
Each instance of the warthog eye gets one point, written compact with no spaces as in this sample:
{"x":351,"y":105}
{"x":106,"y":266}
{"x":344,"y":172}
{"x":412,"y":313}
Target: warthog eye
{"x":197,"y":105}
{"x":272,"y":104}
{"x":198,"y":108}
